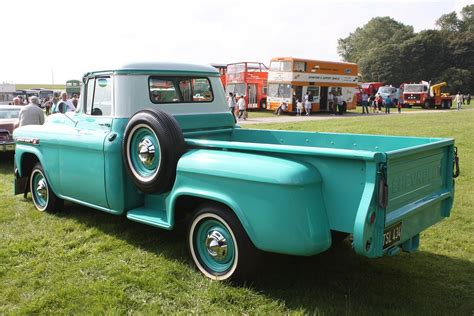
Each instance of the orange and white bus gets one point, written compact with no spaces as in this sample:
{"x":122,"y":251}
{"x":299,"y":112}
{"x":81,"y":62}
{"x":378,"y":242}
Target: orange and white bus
{"x":291,"y":78}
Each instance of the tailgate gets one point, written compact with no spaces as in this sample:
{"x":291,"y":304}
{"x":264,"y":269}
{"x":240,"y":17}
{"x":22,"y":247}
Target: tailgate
{"x":420,"y":191}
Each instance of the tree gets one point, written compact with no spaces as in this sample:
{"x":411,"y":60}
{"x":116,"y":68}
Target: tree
{"x":449,"y":22}
{"x":389,"y":51}
{"x":378,"y":31}
{"x":467,"y":17}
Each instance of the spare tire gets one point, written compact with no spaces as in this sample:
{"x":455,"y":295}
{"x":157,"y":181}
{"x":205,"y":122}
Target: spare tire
{"x":152,"y":145}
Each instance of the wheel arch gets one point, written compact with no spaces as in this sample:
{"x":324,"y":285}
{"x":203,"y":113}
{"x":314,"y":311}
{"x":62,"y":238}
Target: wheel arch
{"x":26,"y":161}
{"x":180,"y":201}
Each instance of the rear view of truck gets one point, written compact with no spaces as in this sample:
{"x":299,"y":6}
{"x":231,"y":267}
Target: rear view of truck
{"x":415,"y":190}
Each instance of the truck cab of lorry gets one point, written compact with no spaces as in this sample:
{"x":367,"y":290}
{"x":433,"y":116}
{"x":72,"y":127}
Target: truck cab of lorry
{"x":155,"y":142}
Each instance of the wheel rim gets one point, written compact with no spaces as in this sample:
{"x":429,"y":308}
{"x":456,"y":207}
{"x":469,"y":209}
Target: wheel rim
{"x":144,"y":153}
{"x":215,"y":246}
{"x":39,"y":190}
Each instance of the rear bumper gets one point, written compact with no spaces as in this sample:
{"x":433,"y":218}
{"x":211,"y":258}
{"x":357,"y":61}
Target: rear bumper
{"x":415,"y":218}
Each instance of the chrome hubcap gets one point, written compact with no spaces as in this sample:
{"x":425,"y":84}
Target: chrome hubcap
{"x":41,"y":189}
{"x":146,"y":152}
{"x":216,"y":244}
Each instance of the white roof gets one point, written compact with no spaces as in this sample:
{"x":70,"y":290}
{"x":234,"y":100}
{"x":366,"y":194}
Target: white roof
{"x":159,"y":67}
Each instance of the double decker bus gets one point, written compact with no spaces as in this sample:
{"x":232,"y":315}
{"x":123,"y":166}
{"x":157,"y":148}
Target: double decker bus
{"x":291,"y":78}
{"x":248,"y":79}
{"x":222,"y":71}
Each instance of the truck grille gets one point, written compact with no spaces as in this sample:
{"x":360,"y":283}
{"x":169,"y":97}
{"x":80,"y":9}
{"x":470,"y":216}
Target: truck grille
{"x":412,"y":96}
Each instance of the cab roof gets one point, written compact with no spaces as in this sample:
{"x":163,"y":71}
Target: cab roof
{"x":158,"y":68}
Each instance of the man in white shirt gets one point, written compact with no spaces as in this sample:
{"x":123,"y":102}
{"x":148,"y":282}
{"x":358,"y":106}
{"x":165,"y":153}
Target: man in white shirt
{"x":70,"y":106}
{"x":31,"y":114}
{"x":241,"y":105}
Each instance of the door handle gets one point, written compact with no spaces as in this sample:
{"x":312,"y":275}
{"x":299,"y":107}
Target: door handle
{"x":105,"y":124}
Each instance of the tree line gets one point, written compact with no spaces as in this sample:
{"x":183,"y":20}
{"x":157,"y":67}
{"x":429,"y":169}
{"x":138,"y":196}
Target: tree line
{"x":391,"y":52}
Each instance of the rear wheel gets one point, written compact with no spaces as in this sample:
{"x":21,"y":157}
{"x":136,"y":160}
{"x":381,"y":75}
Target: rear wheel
{"x":42,"y":195}
{"x":263,"y":105}
{"x":219,"y":245}
{"x":426,"y":105}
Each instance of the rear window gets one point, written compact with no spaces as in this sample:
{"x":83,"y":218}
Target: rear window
{"x":180,"y":90}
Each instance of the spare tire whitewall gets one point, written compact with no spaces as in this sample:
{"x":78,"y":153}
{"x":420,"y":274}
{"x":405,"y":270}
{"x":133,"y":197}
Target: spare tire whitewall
{"x":144,"y":165}
{"x":152,"y":145}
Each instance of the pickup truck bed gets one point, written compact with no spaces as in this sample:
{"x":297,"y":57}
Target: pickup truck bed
{"x":404,"y":181}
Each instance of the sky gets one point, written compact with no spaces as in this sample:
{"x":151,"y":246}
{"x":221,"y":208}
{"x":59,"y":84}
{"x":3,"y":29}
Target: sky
{"x":52,"y":41}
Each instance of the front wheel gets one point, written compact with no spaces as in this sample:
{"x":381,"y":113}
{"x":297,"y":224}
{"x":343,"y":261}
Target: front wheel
{"x":263,"y":105}
{"x":219,"y":245}
{"x":42,"y":195}
{"x":426,"y":105}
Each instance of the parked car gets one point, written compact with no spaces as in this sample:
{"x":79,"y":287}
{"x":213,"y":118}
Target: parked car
{"x":390,"y":92}
{"x":144,"y":144}
{"x":8,"y":118}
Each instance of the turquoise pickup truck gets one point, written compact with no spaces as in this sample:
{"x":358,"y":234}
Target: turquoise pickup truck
{"x":157,"y":143}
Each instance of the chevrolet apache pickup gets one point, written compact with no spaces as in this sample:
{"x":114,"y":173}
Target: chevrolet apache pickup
{"x":156,"y":142}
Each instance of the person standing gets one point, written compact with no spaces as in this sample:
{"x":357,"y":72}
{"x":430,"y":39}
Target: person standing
{"x":330,"y":102}
{"x":340,"y":104}
{"x":468,"y":98}
{"x":388,"y":103}
{"x":58,"y":105}
{"x":307,"y":105}
{"x":458,"y":100}
{"x":299,"y":107}
{"x":17,"y":101}
{"x":70,"y":106}
{"x":365,"y":102}
{"x":334,"y":102}
{"x":241,"y":105}
{"x":31,"y":114}
{"x":231,"y":103}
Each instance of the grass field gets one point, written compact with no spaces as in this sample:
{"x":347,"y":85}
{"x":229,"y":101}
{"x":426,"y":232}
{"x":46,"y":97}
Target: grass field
{"x":87,"y":262}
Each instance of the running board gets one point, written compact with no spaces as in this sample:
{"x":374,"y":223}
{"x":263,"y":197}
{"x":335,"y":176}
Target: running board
{"x":153,"y":217}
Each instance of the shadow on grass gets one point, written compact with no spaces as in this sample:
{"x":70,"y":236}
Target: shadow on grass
{"x":337,"y":281}
{"x":6,"y":163}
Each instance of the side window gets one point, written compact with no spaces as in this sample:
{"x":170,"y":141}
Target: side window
{"x":314,"y":92}
{"x":180,"y":90}
{"x":102,"y":100}
{"x":186,"y":90}
{"x":163,"y":91}
{"x":202,"y":90}
{"x":300,"y":66}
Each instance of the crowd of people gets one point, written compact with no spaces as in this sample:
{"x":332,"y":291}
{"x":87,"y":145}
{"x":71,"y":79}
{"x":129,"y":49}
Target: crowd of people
{"x":33,"y":113}
{"x":378,"y":103}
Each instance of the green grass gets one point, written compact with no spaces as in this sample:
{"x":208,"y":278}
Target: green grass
{"x":85,"y":261}
{"x":258,"y":114}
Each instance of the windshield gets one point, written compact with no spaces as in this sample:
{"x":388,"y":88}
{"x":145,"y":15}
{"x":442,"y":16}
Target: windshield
{"x":415,"y":88}
{"x":9,"y":113}
{"x":235,"y":68}
{"x":280,"y":66}
{"x":236,"y":88}
{"x":387,"y":90}
{"x":279,"y":90}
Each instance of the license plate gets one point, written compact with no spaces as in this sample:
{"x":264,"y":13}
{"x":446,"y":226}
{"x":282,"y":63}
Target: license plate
{"x":7,"y":147}
{"x":392,"y":234}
